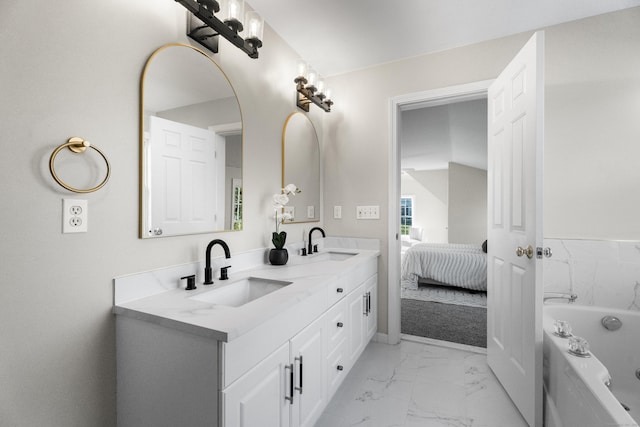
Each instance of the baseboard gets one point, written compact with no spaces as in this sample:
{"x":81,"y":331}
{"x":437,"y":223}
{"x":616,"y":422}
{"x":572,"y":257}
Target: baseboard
{"x":439,"y":343}
{"x":382,"y":338}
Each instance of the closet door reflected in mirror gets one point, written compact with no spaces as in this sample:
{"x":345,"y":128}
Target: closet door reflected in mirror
{"x":301,"y":166}
{"x":190,"y":145}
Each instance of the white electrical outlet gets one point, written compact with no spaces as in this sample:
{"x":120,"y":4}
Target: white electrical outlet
{"x":368,"y":212}
{"x":75,"y":214}
{"x":311,"y":212}
{"x":337,"y":212}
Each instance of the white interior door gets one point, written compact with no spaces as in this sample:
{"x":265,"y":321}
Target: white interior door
{"x":514,"y":306}
{"x":183,"y":178}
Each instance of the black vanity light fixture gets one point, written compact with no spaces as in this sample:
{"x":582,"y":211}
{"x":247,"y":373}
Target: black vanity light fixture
{"x":204,"y":27}
{"x":310,"y":89}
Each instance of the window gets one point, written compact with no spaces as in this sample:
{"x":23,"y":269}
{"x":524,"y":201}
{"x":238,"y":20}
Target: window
{"x":406,"y":214}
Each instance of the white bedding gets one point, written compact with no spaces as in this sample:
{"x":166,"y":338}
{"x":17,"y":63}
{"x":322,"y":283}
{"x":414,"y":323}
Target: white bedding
{"x":458,"y":265}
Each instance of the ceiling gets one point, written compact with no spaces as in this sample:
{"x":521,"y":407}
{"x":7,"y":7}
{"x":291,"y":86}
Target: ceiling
{"x":432,"y":137}
{"x":338,"y":36}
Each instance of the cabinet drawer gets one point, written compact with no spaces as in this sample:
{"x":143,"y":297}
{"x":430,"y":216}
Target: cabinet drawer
{"x":337,"y":367}
{"x":337,"y":290}
{"x":336,"y":319}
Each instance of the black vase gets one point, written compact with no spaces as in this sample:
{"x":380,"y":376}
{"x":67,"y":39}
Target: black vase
{"x":278,"y":256}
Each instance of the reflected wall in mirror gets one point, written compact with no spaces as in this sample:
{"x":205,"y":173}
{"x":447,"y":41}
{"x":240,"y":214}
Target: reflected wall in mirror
{"x":190,"y":145}
{"x":301,"y":166}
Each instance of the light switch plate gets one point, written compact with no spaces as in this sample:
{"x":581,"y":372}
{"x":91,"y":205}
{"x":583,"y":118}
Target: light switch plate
{"x":311,"y":212}
{"x":368,"y":212}
{"x":337,"y":212}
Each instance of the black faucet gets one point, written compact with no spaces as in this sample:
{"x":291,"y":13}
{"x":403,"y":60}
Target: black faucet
{"x":310,"y":248}
{"x":207,"y":269}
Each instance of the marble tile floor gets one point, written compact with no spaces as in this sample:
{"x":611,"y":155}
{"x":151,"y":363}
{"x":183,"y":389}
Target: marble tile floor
{"x":416,"y":384}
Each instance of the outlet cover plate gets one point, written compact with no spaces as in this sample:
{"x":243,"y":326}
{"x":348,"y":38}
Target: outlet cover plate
{"x":75,"y":216}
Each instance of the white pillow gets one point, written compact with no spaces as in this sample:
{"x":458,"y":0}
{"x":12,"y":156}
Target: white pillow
{"x":415,"y":233}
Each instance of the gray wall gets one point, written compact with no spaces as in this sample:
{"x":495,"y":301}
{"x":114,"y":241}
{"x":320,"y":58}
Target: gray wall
{"x":73,"y":68}
{"x":467,"y":204}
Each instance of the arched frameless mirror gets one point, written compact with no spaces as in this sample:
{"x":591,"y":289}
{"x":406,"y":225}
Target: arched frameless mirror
{"x":190,"y":145}
{"x":301,"y":166}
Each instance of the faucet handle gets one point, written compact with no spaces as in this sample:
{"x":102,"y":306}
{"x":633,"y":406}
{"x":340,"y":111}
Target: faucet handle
{"x":223,"y":273}
{"x":191,"y":282}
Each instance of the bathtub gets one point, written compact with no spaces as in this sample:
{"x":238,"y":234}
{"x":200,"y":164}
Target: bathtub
{"x":576,"y":391}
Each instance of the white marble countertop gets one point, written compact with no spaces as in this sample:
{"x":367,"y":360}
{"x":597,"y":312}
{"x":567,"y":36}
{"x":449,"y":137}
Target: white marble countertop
{"x":176,"y":308}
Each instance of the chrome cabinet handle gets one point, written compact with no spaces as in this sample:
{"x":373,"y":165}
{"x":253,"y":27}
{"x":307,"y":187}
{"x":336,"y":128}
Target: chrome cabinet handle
{"x":339,"y":290}
{"x":339,"y":367}
{"x":340,"y":324}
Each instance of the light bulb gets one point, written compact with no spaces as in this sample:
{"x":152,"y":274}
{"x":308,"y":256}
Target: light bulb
{"x":232,"y":10}
{"x":327,"y":94}
{"x":312,"y":77}
{"x":236,"y":7}
{"x":320,"y":86}
{"x":302,"y":68}
{"x":254,"y":26}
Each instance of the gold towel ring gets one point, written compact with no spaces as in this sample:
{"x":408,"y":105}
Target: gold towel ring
{"x":78,"y":145}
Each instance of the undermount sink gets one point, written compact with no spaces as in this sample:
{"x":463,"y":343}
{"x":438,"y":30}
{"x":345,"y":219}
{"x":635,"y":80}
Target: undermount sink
{"x":331,"y":256}
{"x":241,"y":292}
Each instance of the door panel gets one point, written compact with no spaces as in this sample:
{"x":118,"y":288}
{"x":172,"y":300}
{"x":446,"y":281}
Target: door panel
{"x":258,"y":397}
{"x":184,"y":173}
{"x":308,"y":356}
{"x":514,"y":296}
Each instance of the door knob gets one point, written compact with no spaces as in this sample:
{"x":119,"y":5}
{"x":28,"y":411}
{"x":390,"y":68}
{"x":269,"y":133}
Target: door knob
{"x":528,"y":251}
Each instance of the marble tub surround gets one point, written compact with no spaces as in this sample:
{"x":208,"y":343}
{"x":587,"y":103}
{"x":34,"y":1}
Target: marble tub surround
{"x":159,"y":296}
{"x":414,"y":384}
{"x":601,"y":273}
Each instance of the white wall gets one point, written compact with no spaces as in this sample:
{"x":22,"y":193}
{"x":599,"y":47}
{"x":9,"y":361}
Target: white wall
{"x":592,"y":128}
{"x":467,"y":204}
{"x":430,"y":192}
{"x":73,"y":68}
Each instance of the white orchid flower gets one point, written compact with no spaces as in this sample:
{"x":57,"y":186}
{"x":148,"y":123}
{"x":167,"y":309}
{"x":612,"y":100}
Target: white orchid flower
{"x":290,"y":189}
{"x":279,"y":200}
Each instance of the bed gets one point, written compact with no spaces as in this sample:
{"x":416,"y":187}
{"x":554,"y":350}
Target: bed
{"x":450,"y":264}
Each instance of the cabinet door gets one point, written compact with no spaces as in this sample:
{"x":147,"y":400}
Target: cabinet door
{"x":308,"y":355}
{"x":371,"y":294}
{"x":356,"y":338}
{"x":258,"y":398}
{"x":336,"y":369}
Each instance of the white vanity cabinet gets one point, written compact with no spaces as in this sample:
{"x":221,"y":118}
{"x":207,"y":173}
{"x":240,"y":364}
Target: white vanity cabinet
{"x":362,"y":313}
{"x":256,"y":399}
{"x":288,"y":388}
{"x":293,"y":385}
{"x":279,"y":372}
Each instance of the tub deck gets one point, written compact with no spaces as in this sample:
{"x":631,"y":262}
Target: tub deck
{"x":575,"y":386}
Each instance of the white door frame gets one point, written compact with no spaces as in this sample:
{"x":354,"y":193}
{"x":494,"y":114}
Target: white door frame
{"x":430,"y":98}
